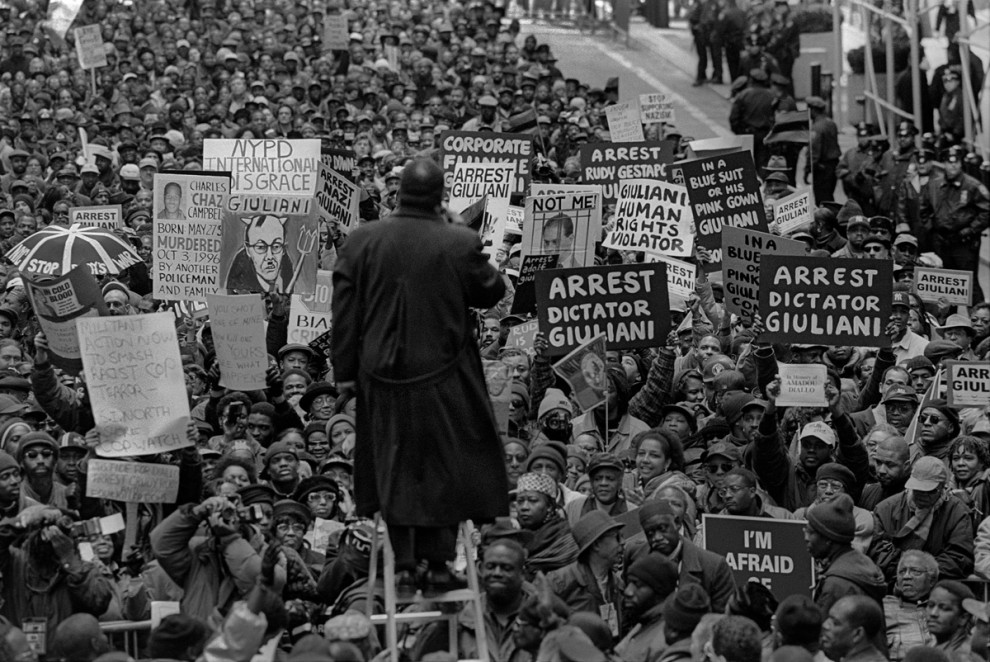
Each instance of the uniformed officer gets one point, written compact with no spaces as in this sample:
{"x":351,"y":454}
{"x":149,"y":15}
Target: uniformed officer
{"x":894,"y":167}
{"x":857,"y":166}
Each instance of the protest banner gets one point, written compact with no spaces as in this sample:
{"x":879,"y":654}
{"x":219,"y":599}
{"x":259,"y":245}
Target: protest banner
{"x":310,"y":315}
{"x":473,"y":181}
{"x":480,"y":147}
{"x":335,"y":34}
{"x":954,"y":286}
{"x":268,"y":175}
{"x":58,"y":303}
{"x":337,"y":198}
{"x":802,"y":385}
{"x":628,"y":303}
{"x":624,"y":125}
{"x":792,"y":213}
{"x":514,"y":219}
{"x":136,"y":384}
{"x":90,"y":50}
{"x":238,"y":325}
{"x":741,"y":252}
{"x":653,"y":217}
{"x":825,"y":301}
{"x":681,"y":277}
{"x":524,"y":301}
{"x":322,"y":343}
{"x":968,"y":383}
{"x":584,"y":369}
{"x":343,"y":161}
{"x":110,"y":217}
{"x":138,"y":482}
{"x":269,"y":253}
{"x":521,"y":336}
{"x":564,"y":224}
{"x":656,"y":108}
{"x":608,"y":164}
{"x":187,"y":212}
{"x":724,"y":192}
{"x":769,"y":551}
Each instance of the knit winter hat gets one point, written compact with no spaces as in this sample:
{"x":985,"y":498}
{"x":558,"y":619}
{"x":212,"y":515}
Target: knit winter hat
{"x":834,"y":519}
{"x":653,"y":508}
{"x":35,"y":439}
{"x":839,"y":472}
{"x":541,"y":483}
{"x":554,"y":451}
{"x":554,"y":399}
{"x":7,"y":461}
{"x":656,"y":571}
{"x":683,"y":610}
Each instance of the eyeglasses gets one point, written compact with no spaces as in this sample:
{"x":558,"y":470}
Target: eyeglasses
{"x":35,"y":454}
{"x":519,"y":458}
{"x":831,"y":485}
{"x":874,"y":249}
{"x":285,"y":527}
{"x":930,"y":418}
{"x":724,"y":466}
{"x":319,"y":497}
{"x":912,"y":572}
{"x":260,"y":247}
{"x":730,"y":490}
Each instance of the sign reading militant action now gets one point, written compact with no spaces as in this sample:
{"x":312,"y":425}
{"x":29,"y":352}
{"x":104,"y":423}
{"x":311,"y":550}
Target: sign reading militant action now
{"x":477,"y":147}
{"x":607,"y":164}
{"x":723,"y":191}
{"x":136,"y":482}
{"x":969,"y":383}
{"x":741,"y":252}
{"x":653,"y":217}
{"x":769,"y":551}
{"x":104,"y":216}
{"x":932,"y":284}
{"x":826,"y":301}
{"x":628,"y":303}
{"x":268,"y":175}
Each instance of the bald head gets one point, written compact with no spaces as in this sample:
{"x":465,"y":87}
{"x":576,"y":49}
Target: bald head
{"x":892,"y":463}
{"x":421,"y":185}
{"x":896,"y":446}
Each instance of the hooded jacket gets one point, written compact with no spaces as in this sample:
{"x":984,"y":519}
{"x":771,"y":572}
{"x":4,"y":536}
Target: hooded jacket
{"x":848,"y":573}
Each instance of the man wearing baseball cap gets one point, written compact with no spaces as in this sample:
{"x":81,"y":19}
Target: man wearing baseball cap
{"x":905,"y":343}
{"x":925,"y":517}
{"x":856,"y":232}
{"x":605,"y":471}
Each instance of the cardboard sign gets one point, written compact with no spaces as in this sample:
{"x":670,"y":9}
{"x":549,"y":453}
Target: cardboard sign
{"x":656,"y":109}
{"x":473,"y":181}
{"x":136,"y":384}
{"x":741,"y":253}
{"x":187,"y":213}
{"x":934,"y":284}
{"x":770,"y":551}
{"x":110,"y":217}
{"x":310,"y":316}
{"x":792,"y":213}
{"x":825,"y":301}
{"x":584,"y":369}
{"x":564,"y":224}
{"x":238,"y":324}
{"x":269,"y":252}
{"x":268,"y":175}
{"x":968,"y":383}
{"x":607,"y":164}
{"x":628,"y":303}
{"x":335,"y":34}
{"x":498,"y":379}
{"x":522,"y":335}
{"x":337,"y":198}
{"x":322,"y":344}
{"x":681,"y":276}
{"x":802,"y":385}
{"x":484,"y":147}
{"x":138,"y":482}
{"x":343,"y":161}
{"x":524,"y":301}
{"x":723,"y":191}
{"x":89,"y":47}
{"x":653,"y":217}
{"x":624,"y":125}
{"x":514,"y":219}
{"x":58,"y":303}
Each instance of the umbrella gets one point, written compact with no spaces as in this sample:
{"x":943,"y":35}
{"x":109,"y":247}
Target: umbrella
{"x":55,"y":250}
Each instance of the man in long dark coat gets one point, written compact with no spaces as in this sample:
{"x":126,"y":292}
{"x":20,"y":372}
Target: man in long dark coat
{"x":428,"y":454}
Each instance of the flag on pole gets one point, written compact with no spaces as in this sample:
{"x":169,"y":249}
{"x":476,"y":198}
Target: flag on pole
{"x":61,"y":14}
{"x":585,"y":370}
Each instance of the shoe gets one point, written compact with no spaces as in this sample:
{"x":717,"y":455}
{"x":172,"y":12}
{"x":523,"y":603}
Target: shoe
{"x":436,"y":582}
{"x":698,"y":83}
{"x":716,"y":81}
{"x":405,"y":584}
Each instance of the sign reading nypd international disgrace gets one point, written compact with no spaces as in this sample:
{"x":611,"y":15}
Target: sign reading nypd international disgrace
{"x":954,"y":286}
{"x":723,"y":191}
{"x":628,"y":303}
{"x":485,"y":147}
{"x":609,"y":163}
{"x":268,"y":175}
{"x":968,"y":383}
{"x":769,"y":551}
{"x":653,"y":217}
{"x":825,"y":301}
{"x":109,"y":217}
{"x":741,"y":252}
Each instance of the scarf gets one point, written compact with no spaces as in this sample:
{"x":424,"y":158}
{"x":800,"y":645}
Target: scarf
{"x":552,"y":547}
{"x":920,"y":522}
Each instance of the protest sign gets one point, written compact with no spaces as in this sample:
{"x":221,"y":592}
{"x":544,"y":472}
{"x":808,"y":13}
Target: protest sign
{"x":269,"y":253}
{"x":514,"y":219}
{"x":628,"y":303}
{"x":624,"y":125}
{"x":480,"y":147}
{"x":584,"y":369}
{"x":343,"y":161}
{"x":653,"y":217}
{"x":337,"y":198}
{"x":136,"y":384}
{"x":656,"y":108}
{"x":319,"y":536}
{"x":268,"y":175}
{"x":187,"y":213}
{"x":968,"y":383}
{"x":335,"y":34}
{"x":802,"y":385}
{"x":770,"y":551}
{"x":310,"y":315}
{"x":724,"y":192}
{"x":539,"y":188}
{"x":89,"y":46}
{"x":825,"y":301}
{"x":564,"y":224}
{"x":521,"y":336}
{"x":238,"y":325}
{"x":103,"y":216}
{"x":139,"y":482}
{"x":792,"y":213}
{"x":608,"y":164}
{"x":699,"y":149}
{"x":58,"y":303}
{"x":741,"y":252}
{"x":498,"y":379}
{"x":956,"y":287}
{"x":524,"y":301}
{"x":681,"y":276}
{"x":322,"y":343}
{"x":473,"y":181}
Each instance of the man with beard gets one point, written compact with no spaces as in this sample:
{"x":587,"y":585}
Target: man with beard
{"x":648,"y":583}
{"x":10,"y":485}
{"x":939,"y":426}
{"x":893,"y":465}
{"x":72,"y":451}
{"x":853,"y":624}
{"x":37,"y":454}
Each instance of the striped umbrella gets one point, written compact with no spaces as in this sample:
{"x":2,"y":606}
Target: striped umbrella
{"x":55,"y":250}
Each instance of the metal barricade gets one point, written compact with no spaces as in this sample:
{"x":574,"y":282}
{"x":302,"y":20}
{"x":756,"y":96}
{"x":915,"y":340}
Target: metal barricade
{"x":125,"y":635}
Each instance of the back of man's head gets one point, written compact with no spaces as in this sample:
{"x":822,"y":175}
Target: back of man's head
{"x":864,"y":612}
{"x":178,"y":637}
{"x":421,"y":185}
{"x":78,"y":639}
{"x":799,"y":622}
{"x":737,"y":639}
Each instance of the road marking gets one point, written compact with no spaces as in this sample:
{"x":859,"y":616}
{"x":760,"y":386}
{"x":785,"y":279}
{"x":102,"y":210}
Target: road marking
{"x":715,"y":127}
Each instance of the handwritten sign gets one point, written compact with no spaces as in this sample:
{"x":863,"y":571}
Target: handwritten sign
{"x":653,"y":217}
{"x":335,"y":35}
{"x":934,"y":284}
{"x":656,"y":109}
{"x":473,"y":181}
{"x":565,"y":224}
{"x":608,"y":164}
{"x":524,"y":301}
{"x":104,"y":216}
{"x":968,"y":383}
{"x":268,"y":175}
{"x":681,"y":276}
{"x":481,"y":147}
{"x":89,"y":46}
{"x":802,"y":385}
{"x":793,"y":212}
{"x":310,"y":315}
{"x":138,"y":482}
{"x":741,"y":253}
{"x":624,"y":125}
{"x":58,"y":303}
{"x":238,"y":324}
{"x":338,"y":198}
{"x":522,"y":335}
{"x":136,"y":384}
{"x":769,"y":551}
{"x":514,"y":219}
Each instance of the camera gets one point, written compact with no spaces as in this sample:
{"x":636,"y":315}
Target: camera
{"x":253,"y":513}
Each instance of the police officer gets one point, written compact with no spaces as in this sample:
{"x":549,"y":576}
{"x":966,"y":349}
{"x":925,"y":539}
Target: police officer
{"x":857,"y":164}
{"x":825,"y":151}
{"x":752,"y":113}
{"x":894,"y":167}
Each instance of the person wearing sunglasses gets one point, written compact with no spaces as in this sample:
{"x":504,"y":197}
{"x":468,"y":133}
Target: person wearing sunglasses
{"x":37,"y":455}
{"x":939,"y":425}
{"x":876,"y":247}
{"x":720,"y":458}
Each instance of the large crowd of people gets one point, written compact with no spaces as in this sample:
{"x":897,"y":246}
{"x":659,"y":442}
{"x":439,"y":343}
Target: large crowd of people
{"x":602,"y":555}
